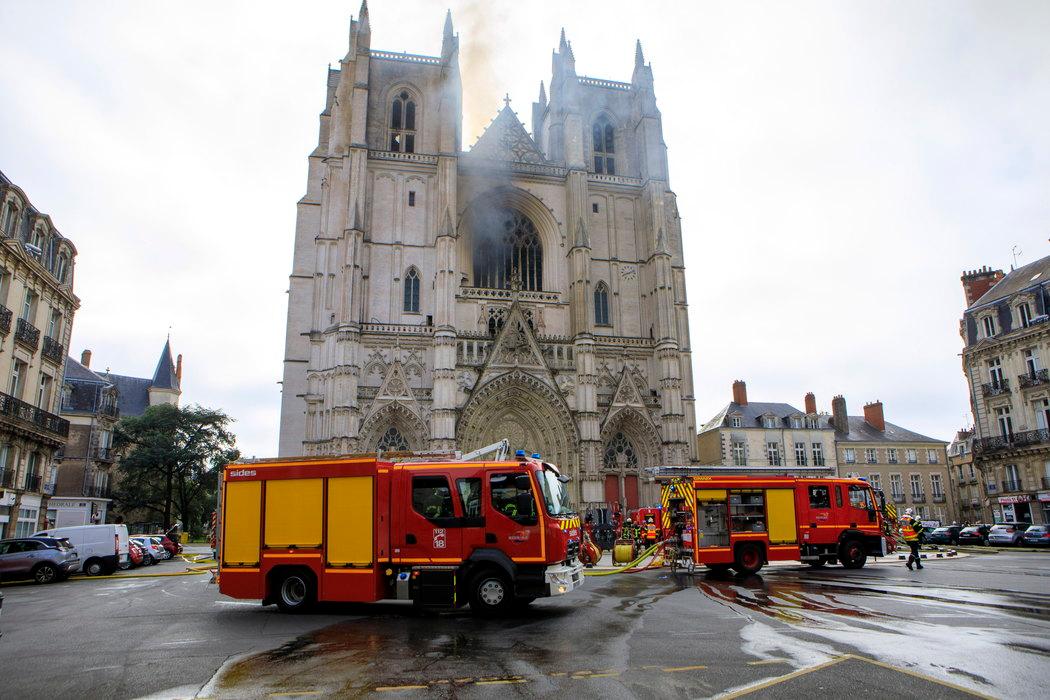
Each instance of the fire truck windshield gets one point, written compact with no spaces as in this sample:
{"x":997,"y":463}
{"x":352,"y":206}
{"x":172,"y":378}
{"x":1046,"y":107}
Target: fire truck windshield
{"x":555,"y":493}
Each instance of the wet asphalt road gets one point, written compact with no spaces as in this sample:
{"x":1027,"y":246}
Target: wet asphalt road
{"x":975,"y":625}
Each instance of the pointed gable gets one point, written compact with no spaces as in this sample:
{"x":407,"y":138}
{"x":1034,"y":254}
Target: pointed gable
{"x":164,"y":376}
{"x":506,"y":139}
{"x":395,"y":385}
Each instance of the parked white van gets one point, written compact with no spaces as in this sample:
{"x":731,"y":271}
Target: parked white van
{"x":102,"y":548}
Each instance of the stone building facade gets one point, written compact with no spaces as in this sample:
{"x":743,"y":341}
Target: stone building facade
{"x":963,"y":473}
{"x":36,"y":319}
{"x":93,"y":402}
{"x":911,"y":469}
{"x":1006,"y":340}
{"x":532,"y":287}
{"x":760,"y":437}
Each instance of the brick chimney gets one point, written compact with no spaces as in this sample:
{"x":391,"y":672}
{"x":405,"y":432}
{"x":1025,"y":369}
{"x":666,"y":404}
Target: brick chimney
{"x":740,"y":392}
{"x":976,"y":282}
{"x":873,"y":416}
{"x":178,"y":369}
{"x":811,"y":403}
{"x":839,"y":418}
{"x":85,"y":358}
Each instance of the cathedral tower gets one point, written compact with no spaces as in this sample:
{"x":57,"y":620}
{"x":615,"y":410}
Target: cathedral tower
{"x":531,"y":287}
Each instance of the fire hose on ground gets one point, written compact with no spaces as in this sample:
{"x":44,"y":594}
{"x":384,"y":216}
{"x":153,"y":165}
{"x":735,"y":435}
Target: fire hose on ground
{"x":632,"y":567}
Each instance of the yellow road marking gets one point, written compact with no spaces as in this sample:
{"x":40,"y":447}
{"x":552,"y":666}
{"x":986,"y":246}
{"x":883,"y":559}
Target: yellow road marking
{"x":293,"y":694}
{"x":682,"y":668}
{"x":503,"y":681}
{"x":384,"y":688}
{"x":780,"y":679}
{"x":766,"y":662}
{"x":921,"y":676}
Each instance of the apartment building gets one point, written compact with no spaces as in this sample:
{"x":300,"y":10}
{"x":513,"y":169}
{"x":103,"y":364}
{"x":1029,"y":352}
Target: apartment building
{"x":911,"y":469}
{"x":36,"y":319}
{"x":963,"y":473}
{"x":760,"y":437}
{"x":1006,"y":341}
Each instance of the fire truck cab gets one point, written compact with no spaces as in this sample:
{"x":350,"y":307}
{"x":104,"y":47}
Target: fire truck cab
{"x":743,"y":522}
{"x":442,"y":533}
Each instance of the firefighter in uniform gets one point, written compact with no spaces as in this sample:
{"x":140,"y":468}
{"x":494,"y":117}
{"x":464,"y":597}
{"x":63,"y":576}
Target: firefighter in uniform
{"x":911,"y":528}
{"x":650,"y":531}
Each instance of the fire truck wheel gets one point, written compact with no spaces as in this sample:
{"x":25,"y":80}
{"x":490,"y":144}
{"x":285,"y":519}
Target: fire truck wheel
{"x":296,"y":591}
{"x":490,"y":593}
{"x":851,"y":553}
{"x":748,"y":559}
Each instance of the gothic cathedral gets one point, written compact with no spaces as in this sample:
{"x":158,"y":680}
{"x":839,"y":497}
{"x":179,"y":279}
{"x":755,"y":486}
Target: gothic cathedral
{"x":531,"y":287}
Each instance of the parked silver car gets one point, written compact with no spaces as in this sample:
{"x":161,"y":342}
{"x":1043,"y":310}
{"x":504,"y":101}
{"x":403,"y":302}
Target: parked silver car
{"x":45,"y":560}
{"x":1006,"y":534}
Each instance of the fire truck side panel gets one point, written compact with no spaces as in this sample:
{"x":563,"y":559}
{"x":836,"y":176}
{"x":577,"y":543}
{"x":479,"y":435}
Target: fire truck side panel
{"x":240,"y":538}
{"x":780,"y":507}
{"x":293,"y":513}
{"x":349,"y":533}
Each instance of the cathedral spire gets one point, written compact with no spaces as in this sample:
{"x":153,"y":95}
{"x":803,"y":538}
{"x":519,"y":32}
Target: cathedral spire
{"x":448,"y":25}
{"x":449,"y":42}
{"x":562,"y":44}
{"x":364,"y":29}
{"x":543,"y":95}
{"x":639,"y":57}
{"x":446,"y":226}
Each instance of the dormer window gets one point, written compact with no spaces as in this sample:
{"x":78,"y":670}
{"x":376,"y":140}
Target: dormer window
{"x":10,"y":212}
{"x":796,"y":422}
{"x":60,"y":270}
{"x":988,"y":323}
{"x":1024,"y":314}
{"x":403,"y":123}
{"x":769,"y":422}
{"x":603,"y":138}
{"x":734,"y":421}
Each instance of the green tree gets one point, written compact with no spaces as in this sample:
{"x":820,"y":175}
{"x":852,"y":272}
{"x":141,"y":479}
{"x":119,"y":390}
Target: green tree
{"x":172,"y":458}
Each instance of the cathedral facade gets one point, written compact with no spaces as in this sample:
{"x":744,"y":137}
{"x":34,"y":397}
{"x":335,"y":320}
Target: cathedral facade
{"x":531,"y":287}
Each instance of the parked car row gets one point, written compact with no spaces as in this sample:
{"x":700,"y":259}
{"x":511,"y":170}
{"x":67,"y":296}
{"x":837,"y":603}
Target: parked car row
{"x":54,"y":555}
{"x":999,"y":534}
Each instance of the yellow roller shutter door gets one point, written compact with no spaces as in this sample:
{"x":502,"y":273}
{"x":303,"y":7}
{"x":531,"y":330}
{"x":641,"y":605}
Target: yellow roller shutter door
{"x":293,"y":512}
{"x":242,"y":508}
{"x":780,"y":507}
{"x":350,"y":521}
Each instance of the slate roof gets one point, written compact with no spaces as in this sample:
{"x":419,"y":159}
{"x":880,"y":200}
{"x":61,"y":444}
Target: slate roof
{"x":1030,"y":275}
{"x":860,"y":431}
{"x":752,"y":412}
{"x":132,"y":393}
{"x":164,"y":376}
{"x":77,"y":372}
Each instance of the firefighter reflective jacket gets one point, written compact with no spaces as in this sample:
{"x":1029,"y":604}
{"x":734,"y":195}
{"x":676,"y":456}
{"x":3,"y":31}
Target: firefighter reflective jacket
{"x":911,"y":528}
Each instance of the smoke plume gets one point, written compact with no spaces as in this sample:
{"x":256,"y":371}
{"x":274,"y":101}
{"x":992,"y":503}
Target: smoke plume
{"x":481,"y":86}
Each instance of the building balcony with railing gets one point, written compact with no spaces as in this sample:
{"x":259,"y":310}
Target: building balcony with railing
{"x":939,"y":498}
{"x":898,"y":498}
{"x":97,"y":491}
{"x":28,"y":415}
{"x":53,"y":350}
{"x":1028,"y":438}
{"x":7,"y":479}
{"x":102,"y":454}
{"x":1033,"y":379}
{"x":5,"y":319}
{"x":1012,"y":485}
{"x":918,"y":498}
{"x":27,"y":334}
{"x":31,"y":482}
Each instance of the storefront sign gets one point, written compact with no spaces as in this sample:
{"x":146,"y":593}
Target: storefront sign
{"x":1024,"y":498}
{"x":1044,"y":496}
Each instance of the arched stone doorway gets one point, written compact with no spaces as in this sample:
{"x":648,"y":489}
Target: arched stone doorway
{"x":630,"y":443}
{"x":393,"y":427}
{"x":523,"y":409}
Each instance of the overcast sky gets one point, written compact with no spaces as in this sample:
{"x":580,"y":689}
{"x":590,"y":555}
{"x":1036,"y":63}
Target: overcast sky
{"x":837,"y":166}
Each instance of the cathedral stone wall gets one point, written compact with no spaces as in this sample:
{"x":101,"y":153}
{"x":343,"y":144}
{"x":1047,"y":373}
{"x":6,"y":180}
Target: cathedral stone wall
{"x":530,"y":287}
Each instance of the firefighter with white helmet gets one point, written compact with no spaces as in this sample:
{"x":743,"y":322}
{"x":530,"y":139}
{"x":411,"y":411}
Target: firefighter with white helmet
{"x":911,"y":528}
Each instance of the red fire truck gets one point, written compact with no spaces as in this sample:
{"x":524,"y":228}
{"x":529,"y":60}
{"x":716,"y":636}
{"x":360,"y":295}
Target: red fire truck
{"x":743,"y":522}
{"x":443,"y":533}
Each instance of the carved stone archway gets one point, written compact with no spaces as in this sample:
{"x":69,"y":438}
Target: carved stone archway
{"x":524,"y":409}
{"x":395,"y":415}
{"x":630,"y":442}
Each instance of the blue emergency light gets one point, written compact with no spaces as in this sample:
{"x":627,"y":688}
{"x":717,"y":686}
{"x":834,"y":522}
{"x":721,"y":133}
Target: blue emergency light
{"x":519,"y":453}
{"x":535,"y":455}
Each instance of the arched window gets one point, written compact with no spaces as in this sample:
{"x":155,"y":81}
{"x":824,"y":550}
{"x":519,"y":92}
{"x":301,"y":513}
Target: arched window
{"x":403,"y":123}
{"x":412,"y":291}
{"x":601,"y":305}
{"x":506,"y":248}
{"x":619,"y":452}
{"x":602,"y":136}
{"x":392,"y":440}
